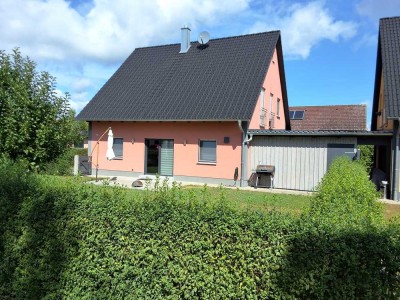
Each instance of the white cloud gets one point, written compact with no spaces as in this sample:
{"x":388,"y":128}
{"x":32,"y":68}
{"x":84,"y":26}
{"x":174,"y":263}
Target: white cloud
{"x":78,"y":100}
{"x":375,"y":9}
{"x":369,"y":40}
{"x":91,"y":40}
{"x":109,"y":30}
{"x":80,"y":84}
{"x":83,"y":45}
{"x":303,"y":26}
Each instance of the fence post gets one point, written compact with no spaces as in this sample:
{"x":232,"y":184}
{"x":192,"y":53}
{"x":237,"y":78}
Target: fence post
{"x":76,"y":164}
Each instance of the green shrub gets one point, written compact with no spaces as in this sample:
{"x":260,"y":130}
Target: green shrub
{"x":60,"y":238}
{"x":343,"y":249}
{"x":324,"y":263}
{"x":367,"y":156}
{"x":64,"y":164}
{"x":346,"y":197}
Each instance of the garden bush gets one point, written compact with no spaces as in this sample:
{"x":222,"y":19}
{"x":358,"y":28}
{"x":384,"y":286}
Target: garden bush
{"x":62,"y":239}
{"x":64,"y":164}
{"x":346,"y":197}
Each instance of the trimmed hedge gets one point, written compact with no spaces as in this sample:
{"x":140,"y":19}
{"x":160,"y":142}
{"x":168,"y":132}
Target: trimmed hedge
{"x":346,"y":197}
{"x":60,"y":238}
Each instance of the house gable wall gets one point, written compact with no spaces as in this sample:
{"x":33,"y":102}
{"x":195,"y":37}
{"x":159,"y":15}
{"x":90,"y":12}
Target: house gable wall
{"x":186,"y":136}
{"x":382,"y":122}
{"x":272,"y":85}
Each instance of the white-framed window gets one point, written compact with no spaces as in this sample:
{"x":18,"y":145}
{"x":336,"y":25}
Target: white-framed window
{"x":278,"y":103}
{"x":271,"y":101}
{"x":118,"y":147}
{"x":262,"y":107}
{"x":262,"y":99}
{"x":207,"y":151}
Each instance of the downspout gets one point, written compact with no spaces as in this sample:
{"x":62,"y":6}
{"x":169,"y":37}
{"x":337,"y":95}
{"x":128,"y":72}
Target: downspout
{"x":395,"y":148}
{"x":242,"y":154}
{"x":250,"y":138}
{"x":243,"y":159}
{"x":89,"y":138}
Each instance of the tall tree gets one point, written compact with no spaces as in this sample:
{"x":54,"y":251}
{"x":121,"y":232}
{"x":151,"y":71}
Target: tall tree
{"x":35,"y":121}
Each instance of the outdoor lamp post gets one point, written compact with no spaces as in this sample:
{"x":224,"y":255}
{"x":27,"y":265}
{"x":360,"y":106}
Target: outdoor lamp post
{"x":110,"y":152}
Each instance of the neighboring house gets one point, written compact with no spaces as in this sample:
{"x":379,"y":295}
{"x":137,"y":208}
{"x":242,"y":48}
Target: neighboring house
{"x":184,"y":110}
{"x":329,"y":117}
{"x":386,"y":102}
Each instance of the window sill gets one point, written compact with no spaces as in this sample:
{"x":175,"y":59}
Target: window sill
{"x":207,"y":163}
{"x":117,"y":158}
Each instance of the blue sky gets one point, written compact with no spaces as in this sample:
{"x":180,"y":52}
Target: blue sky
{"x":329,"y":46}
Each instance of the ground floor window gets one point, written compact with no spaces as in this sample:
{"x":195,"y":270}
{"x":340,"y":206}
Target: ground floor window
{"x":118,"y":146}
{"x":207,"y":151}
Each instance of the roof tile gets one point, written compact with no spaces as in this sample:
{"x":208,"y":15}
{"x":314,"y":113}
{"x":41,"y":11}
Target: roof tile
{"x":331,"y":117}
{"x":389,"y":39}
{"x":220,"y":82}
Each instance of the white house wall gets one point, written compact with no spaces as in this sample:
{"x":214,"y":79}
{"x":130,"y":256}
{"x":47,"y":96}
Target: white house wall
{"x":300,"y":162}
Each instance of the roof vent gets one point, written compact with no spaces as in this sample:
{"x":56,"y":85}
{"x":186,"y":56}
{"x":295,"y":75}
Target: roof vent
{"x":185,"y":40}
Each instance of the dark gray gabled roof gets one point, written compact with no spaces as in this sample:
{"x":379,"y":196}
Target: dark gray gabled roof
{"x":219,"y":82}
{"x":388,"y":63}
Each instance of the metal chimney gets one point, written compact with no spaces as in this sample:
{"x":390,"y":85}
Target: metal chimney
{"x":185,"y":40}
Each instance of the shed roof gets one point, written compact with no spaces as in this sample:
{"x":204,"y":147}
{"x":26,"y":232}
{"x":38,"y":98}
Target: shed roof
{"x":337,"y":133}
{"x":215,"y":83}
{"x":331,"y":117}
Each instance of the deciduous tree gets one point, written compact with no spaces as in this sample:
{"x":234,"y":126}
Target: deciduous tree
{"x":35,"y":120}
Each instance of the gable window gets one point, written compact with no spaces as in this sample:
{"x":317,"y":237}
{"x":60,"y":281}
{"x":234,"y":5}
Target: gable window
{"x":271,"y":115}
{"x":271,"y":100}
{"x":207,"y":151}
{"x":118,"y":148}
{"x":262,"y":108}
{"x":278,"y":103}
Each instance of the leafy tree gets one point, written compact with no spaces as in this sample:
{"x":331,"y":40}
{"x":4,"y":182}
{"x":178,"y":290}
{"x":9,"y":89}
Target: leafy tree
{"x":367,"y":156}
{"x":79,"y":130}
{"x":35,"y":121}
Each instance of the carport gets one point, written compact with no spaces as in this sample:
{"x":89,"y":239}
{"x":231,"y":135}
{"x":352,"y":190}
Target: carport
{"x":301,"y":158}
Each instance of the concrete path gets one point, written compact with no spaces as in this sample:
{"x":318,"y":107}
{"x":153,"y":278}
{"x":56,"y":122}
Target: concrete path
{"x":149,"y":180}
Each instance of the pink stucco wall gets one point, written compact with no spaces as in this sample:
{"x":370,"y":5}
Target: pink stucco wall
{"x":185,"y":156}
{"x":272,"y":85}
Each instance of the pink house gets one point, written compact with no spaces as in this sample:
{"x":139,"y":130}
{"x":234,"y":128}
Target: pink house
{"x":184,"y":110}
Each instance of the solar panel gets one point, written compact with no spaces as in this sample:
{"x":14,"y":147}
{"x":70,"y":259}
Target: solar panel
{"x":298,"y":115}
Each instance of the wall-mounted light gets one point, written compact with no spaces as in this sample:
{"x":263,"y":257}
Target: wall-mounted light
{"x":184,"y":142}
{"x":133,"y":141}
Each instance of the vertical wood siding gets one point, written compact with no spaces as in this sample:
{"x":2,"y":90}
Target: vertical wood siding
{"x":300,"y":162}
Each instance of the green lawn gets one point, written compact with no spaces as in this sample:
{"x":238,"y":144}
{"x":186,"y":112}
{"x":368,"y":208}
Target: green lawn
{"x":244,"y":200}
{"x":264,"y":201}
{"x":254,"y":200}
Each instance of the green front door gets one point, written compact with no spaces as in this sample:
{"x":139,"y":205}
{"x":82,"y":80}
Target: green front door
{"x":159,"y":157}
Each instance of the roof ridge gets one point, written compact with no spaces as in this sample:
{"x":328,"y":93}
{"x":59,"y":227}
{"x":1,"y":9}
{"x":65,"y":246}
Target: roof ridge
{"x":329,"y":105}
{"x":388,"y":18}
{"x":219,"y":38}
